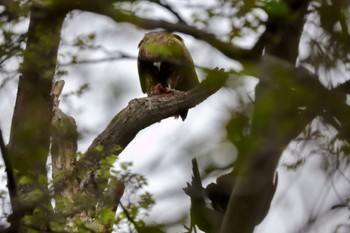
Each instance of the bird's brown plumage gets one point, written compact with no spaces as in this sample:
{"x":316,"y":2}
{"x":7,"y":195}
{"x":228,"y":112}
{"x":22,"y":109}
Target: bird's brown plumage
{"x":164,"y":62}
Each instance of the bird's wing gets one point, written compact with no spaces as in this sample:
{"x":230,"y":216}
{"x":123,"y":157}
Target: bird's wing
{"x":141,"y":76}
{"x":140,"y":68}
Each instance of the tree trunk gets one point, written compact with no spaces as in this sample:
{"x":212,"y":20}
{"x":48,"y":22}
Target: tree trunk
{"x":30,"y":135}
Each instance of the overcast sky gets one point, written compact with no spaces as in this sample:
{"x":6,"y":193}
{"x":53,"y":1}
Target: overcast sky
{"x":161,"y":151}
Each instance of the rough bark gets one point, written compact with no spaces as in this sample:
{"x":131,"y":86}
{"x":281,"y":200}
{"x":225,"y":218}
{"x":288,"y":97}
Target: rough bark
{"x":139,"y":114}
{"x":30,"y":138}
{"x":274,"y":129}
{"x":72,"y":177}
{"x":63,"y":149}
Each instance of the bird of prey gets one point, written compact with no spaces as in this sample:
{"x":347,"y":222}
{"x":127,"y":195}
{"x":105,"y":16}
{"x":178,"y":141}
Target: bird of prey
{"x":164,"y":63}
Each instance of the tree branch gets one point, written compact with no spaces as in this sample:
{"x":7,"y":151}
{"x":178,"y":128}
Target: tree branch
{"x":143,"y":112}
{"x":139,"y":114}
{"x":11,"y":178}
{"x":271,"y":128}
{"x":11,"y":9}
{"x":170,"y":9}
{"x":104,"y":8}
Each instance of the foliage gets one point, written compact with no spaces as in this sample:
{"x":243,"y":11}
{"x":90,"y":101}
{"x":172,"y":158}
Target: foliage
{"x":296,"y":121}
{"x":137,"y":202}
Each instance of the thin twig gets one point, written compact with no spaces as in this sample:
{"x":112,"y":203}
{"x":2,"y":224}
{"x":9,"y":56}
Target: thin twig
{"x":170,"y":9}
{"x":129,"y":217}
{"x":93,"y":61}
{"x":11,"y":181}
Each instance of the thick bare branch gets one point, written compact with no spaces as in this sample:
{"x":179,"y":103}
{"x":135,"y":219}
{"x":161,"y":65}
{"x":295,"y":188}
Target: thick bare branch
{"x":64,"y":151}
{"x":141,"y":113}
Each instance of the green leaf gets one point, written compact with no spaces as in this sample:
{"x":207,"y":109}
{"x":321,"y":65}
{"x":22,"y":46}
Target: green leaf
{"x":110,"y":159}
{"x":116,"y":149}
{"x":276,"y":8}
{"x":106,"y":216}
{"x":124,"y":166}
{"x":61,"y":73}
{"x":99,"y":148}
{"x":43,"y":179}
{"x":25,"y":180}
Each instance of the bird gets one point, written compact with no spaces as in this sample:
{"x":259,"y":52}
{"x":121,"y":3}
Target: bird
{"x":164,"y":64}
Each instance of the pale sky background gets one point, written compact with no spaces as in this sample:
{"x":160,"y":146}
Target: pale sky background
{"x":160,"y":152}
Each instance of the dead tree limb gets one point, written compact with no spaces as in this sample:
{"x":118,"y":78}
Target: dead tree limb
{"x":139,"y":114}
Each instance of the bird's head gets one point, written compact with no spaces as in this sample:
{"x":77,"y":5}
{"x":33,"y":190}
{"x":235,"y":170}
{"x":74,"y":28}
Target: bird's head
{"x":161,"y":47}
